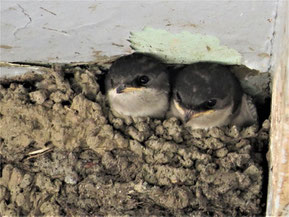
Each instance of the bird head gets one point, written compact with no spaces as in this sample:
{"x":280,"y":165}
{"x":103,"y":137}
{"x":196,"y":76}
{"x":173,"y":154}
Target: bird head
{"x":137,"y":72}
{"x":201,"y":91}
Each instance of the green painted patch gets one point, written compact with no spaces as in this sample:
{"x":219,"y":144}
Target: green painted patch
{"x":183,"y":47}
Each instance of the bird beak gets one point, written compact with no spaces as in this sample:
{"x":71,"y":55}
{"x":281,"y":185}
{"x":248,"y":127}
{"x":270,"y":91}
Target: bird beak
{"x":189,"y":114}
{"x":120,"y":88}
{"x":180,"y":109}
{"x":124,"y":89}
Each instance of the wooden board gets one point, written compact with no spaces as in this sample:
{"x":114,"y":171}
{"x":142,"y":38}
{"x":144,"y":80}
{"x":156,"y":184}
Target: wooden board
{"x":278,"y":189}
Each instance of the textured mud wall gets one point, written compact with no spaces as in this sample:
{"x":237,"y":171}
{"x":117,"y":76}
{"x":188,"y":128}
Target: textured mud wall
{"x":62,"y":152}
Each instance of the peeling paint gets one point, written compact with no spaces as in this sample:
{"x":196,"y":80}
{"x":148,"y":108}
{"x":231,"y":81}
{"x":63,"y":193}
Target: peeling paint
{"x":183,"y":47}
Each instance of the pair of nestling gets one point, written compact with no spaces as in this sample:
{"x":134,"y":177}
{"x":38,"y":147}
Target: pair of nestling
{"x":202,"y":95}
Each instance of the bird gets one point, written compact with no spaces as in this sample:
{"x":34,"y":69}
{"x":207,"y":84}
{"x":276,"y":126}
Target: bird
{"x":208,"y":94}
{"x":137,"y":85}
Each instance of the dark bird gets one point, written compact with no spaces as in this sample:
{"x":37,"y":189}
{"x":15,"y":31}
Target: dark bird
{"x":206,"y":95}
{"x":137,"y":85}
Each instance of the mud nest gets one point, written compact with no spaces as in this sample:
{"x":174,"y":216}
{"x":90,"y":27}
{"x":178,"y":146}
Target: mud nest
{"x":62,"y":152}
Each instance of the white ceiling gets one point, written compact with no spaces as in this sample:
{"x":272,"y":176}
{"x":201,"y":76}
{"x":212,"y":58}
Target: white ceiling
{"x":75,"y":31}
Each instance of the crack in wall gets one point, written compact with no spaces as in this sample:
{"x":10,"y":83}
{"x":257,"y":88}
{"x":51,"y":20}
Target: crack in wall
{"x":56,"y":30}
{"x":25,"y":26}
{"x":48,"y":11}
{"x":32,"y":64}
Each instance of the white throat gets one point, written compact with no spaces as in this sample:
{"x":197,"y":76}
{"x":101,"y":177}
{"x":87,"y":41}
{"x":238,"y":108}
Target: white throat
{"x":146,"y":102}
{"x":220,"y":117}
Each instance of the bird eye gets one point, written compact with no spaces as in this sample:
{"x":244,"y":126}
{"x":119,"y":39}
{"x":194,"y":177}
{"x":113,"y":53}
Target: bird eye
{"x":143,"y":79}
{"x":178,"y":97}
{"x":210,"y":103}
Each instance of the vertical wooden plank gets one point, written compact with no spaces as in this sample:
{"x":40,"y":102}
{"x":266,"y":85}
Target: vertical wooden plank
{"x":278,"y":189}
